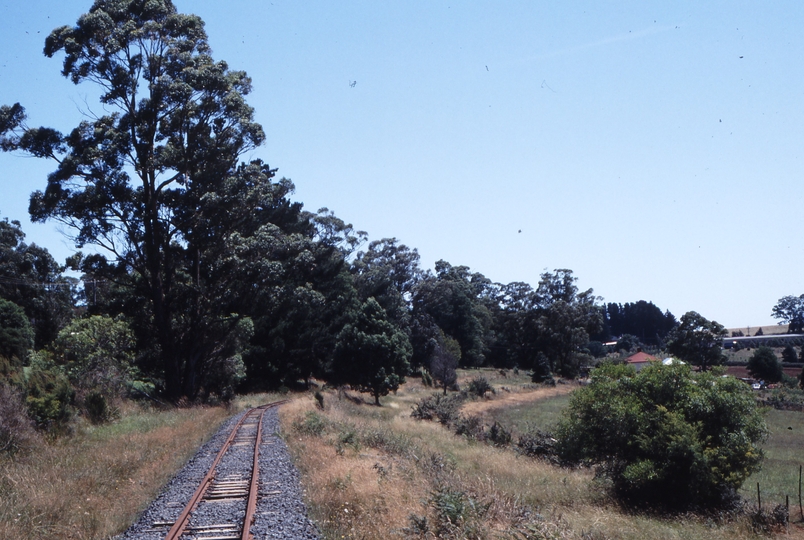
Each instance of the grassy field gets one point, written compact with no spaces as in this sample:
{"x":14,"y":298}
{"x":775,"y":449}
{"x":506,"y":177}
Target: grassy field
{"x":94,"y":483}
{"x":541,"y":414}
{"x":374,"y":472}
{"x":784,"y":453}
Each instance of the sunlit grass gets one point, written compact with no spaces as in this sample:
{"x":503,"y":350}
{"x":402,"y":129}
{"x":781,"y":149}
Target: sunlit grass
{"x":542,"y":414}
{"x":784,"y":453}
{"x":94,"y":484}
{"x":369,"y":470}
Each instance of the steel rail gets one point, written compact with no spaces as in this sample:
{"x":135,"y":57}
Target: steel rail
{"x":180,"y":525}
{"x":251,"y":504}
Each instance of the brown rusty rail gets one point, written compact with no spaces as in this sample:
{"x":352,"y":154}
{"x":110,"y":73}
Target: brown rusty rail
{"x":229,"y":489}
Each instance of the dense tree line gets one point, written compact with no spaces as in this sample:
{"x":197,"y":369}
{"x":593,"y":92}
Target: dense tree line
{"x":641,"y":319}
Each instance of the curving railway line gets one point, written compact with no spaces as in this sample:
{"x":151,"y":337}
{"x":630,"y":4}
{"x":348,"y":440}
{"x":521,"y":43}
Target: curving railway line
{"x":248,"y":490}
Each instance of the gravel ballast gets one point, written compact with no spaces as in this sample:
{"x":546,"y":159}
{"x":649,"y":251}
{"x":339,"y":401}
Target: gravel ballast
{"x":280,"y":511}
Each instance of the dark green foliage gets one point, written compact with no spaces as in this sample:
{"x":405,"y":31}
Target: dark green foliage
{"x":31,"y":278}
{"x":427,"y":379}
{"x":498,"y":435}
{"x":16,"y":334}
{"x":312,"y":424}
{"x":627,"y":343}
{"x":789,"y":354}
{"x":479,"y":386}
{"x":642,"y":320}
{"x":697,"y":340}
{"x":49,"y":396}
{"x":541,"y":369}
{"x":154,"y":180}
{"x":97,"y":408}
{"x":596,"y":349}
{"x":515,"y":311}
{"x":567,"y":318}
{"x":445,"y":409}
{"x":790,"y":310}
{"x":450,"y":299}
{"x":371,"y":354}
{"x":764,"y":365}
{"x":97,"y":354}
{"x":471,"y":427}
{"x":388,"y":272}
{"x":303,"y":302}
{"x":537,"y":443}
{"x":666,"y":436}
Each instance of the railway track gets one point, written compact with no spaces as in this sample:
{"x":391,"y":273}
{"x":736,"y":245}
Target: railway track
{"x":224,"y":504}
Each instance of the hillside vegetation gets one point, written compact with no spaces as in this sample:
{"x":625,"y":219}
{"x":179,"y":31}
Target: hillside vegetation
{"x":372,"y":472}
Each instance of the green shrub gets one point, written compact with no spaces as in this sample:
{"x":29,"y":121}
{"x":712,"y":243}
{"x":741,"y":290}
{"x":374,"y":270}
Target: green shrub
{"x":770,"y":521}
{"x":97,"y":408}
{"x":470,"y":427}
{"x":348,"y":437}
{"x":312,"y":424}
{"x":427,"y":379}
{"x":665,"y":436}
{"x":443,"y":408}
{"x":16,"y":333}
{"x":541,"y":369}
{"x":498,"y":435}
{"x":764,"y":365}
{"x":96,"y":353}
{"x":458,"y":515}
{"x":49,"y":396}
{"x":479,"y":386}
{"x":537,"y":443}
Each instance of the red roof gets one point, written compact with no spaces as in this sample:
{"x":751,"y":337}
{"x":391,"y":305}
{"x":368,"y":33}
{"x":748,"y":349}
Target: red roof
{"x":640,"y":358}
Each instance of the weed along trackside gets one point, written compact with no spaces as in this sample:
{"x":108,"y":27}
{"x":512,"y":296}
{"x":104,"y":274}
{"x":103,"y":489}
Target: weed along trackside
{"x":94,"y":483}
{"x":378,"y":472}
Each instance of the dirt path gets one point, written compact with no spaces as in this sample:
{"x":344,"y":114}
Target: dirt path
{"x":508,"y":400}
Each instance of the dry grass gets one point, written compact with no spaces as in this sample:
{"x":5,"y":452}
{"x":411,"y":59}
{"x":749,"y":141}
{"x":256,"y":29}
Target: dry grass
{"x":373,"y":472}
{"x":94,"y":483}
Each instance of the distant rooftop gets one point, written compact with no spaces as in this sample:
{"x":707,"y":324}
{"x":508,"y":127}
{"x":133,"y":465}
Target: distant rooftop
{"x":640,"y":358}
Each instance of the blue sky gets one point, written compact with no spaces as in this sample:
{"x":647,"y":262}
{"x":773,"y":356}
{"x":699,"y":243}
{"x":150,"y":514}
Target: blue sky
{"x":654,"y":148}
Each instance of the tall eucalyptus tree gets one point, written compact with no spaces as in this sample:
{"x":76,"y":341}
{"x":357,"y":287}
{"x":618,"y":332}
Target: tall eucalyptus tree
{"x":139,"y":180}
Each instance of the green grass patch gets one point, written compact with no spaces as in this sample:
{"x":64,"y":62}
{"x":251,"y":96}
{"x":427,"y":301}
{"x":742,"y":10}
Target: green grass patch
{"x":543,"y":414}
{"x":784,"y":453}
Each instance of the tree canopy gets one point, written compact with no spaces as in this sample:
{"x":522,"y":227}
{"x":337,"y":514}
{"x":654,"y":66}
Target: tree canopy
{"x":31,"y":278}
{"x":641,"y":319}
{"x":697,"y":340}
{"x":16,"y":335}
{"x":764,"y":365}
{"x":146,"y":181}
{"x":371,"y":354}
{"x":790,"y":310}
